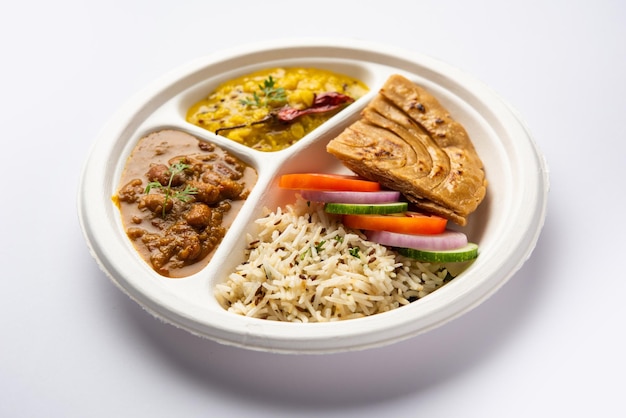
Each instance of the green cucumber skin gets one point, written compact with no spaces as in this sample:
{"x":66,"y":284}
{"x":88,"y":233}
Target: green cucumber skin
{"x":365,"y":208}
{"x":467,"y":253}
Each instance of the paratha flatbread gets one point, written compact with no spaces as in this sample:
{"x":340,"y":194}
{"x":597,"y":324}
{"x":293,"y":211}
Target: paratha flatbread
{"x":407,"y":141}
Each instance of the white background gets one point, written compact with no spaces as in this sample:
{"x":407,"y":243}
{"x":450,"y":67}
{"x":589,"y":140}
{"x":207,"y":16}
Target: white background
{"x":549,"y":343}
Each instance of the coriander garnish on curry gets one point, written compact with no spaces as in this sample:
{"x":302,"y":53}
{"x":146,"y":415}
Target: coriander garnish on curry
{"x":270,"y":110}
{"x":165,"y":199}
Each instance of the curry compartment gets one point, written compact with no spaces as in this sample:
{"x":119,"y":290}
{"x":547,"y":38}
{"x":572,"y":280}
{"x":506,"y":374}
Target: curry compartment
{"x":178,"y":195}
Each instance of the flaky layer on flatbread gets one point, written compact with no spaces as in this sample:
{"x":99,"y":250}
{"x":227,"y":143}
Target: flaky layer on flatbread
{"x":407,"y":141}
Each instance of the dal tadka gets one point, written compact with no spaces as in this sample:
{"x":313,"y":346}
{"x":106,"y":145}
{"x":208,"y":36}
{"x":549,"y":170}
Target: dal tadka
{"x":178,"y":197}
{"x":407,"y":141}
{"x":272,"y":109}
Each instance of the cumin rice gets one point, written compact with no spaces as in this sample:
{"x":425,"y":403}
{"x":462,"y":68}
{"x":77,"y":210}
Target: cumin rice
{"x":304,"y":266}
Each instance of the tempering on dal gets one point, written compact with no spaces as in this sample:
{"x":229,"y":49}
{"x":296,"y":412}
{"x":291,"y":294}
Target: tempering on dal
{"x":243,"y":109}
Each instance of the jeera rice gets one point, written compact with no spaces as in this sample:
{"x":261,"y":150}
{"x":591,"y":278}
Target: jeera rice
{"x":303,"y":265}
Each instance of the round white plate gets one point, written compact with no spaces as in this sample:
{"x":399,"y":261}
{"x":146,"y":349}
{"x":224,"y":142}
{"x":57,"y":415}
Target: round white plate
{"x":506,"y":225}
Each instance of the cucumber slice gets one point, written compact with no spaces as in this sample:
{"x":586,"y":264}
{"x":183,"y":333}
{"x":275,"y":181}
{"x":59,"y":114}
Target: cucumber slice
{"x":366,"y":208}
{"x":469,"y":252}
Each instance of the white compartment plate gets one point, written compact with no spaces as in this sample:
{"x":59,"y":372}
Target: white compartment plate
{"x":506,"y":225}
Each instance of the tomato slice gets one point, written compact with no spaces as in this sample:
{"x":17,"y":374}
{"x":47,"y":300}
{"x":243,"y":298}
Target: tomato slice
{"x":320,"y":181}
{"x":405,"y":223}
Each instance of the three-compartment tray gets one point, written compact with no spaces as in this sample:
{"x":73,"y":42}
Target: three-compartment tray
{"x":515,"y":169}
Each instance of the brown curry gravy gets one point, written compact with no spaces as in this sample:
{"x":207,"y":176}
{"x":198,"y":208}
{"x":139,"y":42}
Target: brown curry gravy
{"x":182,"y":242}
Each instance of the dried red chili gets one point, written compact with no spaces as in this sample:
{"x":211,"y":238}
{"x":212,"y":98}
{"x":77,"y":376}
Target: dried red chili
{"x":323,"y":102}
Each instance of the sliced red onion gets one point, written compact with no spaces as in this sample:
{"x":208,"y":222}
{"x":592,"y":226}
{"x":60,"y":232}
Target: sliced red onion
{"x":383,"y":196}
{"x":448,"y":240}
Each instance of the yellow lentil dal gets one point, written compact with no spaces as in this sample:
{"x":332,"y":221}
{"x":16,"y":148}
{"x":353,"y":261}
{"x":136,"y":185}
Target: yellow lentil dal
{"x":231,"y":110}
